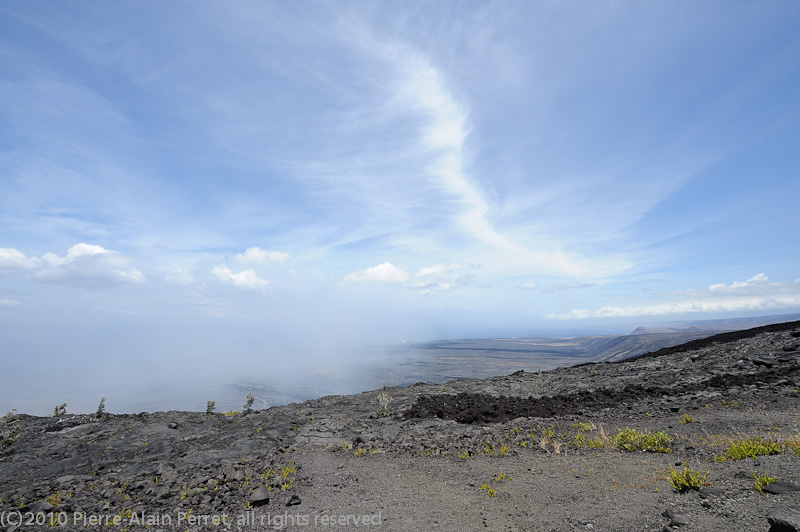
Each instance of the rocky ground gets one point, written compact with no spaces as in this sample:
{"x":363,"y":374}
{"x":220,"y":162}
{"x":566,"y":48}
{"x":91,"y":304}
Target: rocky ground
{"x":526,"y":451}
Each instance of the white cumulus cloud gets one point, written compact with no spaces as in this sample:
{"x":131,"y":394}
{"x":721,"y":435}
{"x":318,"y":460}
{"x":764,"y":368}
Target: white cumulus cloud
{"x":13,"y":259}
{"x":429,"y":279}
{"x":386,"y":272}
{"x":243,"y":279}
{"x":83,"y":265}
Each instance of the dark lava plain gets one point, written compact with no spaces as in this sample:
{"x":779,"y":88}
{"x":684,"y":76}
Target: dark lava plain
{"x":525,"y":451}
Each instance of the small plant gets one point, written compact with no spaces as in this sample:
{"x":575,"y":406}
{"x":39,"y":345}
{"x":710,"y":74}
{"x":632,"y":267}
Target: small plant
{"x":210,"y":407}
{"x":741,"y":448}
{"x":687,"y":419}
{"x":60,"y":410}
{"x":383,"y":403}
{"x":629,"y":439}
{"x":54,"y":499}
{"x":9,"y":432}
{"x":490,"y":491}
{"x":687,"y":479}
{"x":101,"y":409}
{"x":248,"y":405}
{"x":558,"y":446}
{"x":361,"y":451}
{"x":762,"y":481}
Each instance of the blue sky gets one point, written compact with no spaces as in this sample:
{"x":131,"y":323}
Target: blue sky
{"x":190,"y":180}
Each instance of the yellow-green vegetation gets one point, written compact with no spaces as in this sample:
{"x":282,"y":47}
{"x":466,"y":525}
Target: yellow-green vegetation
{"x":60,"y":410}
{"x":687,"y":479}
{"x":361,"y":451}
{"x":231,"y":413}
{"x":502,"y":476}
{"x":466,"y":454}
{"x":762,"y":481}
{"x":436,"y":452}
{"x":493,"y":450}
{"x":687,"y":419}
{"x":56,"y":498}
{"x":741,"y":448}
{"x":629,"y":439}
{"x":490,"y":491}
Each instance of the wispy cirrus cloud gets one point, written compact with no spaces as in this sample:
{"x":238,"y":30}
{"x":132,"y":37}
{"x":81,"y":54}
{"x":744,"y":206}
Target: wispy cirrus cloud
{"x":255,"y":256}
{"x":443,"y":278}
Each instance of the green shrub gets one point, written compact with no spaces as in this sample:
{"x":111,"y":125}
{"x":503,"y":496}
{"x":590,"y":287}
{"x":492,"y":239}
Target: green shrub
{"x":741,"y":448}
{"x":629,"y":439}
{"x":101,"y":409}
{"x":687,"y":479}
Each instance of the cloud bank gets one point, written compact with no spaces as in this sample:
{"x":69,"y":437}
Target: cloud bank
{"x":754,"y":294}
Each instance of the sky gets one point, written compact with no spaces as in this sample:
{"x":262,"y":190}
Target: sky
{"x":218,"y":184}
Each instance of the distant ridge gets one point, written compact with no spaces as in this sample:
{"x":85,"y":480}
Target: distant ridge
{"x":722,"y":338}
{"x":720,"y":325}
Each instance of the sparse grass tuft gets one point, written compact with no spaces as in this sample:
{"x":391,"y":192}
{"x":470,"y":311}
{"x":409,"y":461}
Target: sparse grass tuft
{"x":629,"y":439}
{"x":383,"y":403}
{"x":687,"y":479}
{"x":687,"y":419}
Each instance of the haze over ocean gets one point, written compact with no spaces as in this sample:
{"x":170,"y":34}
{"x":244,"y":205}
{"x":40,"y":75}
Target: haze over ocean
{"x":202,"y":193}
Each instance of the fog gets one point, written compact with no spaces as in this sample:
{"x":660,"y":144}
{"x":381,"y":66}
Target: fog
{"x":159,"y":359}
